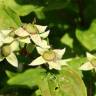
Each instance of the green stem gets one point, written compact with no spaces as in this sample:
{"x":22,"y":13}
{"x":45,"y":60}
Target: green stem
{"x":20,"y":67}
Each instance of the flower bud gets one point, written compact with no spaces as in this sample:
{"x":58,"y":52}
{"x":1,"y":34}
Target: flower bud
{"x":30,"y":28}
{"x":5,"y":50}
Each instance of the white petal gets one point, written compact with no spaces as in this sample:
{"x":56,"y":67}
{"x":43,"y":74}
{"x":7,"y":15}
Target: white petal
{"x":6,"y":32}
{"x":63,"y":62}
{"x":8,"y":39}
{"x":41,"y":28}
{"x":25,"y":40}
{"x":36,"y":39}
{"x":37,"y":61}
{"x":21,"y":32}
{"x":12,"y":59}
{"x":44,"y":44}
{"x":14,"y":46}
{"x":59,"y":52}
{"x":1,"y":43}
{"x":44,"y":34}
{"x":54,"y":65}
{"x":2,"y":37}
{"x":1,"y":58}
{"x":40,"y":50}
{"x":86,"y":66}
{"x":90,"y":56}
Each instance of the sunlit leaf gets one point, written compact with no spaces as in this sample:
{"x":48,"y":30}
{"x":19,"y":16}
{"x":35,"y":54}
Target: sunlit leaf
{"x":25,"y":7}
{"x":8,"y":18}
{"x":88,"y":37}
{"x":69,"y":40}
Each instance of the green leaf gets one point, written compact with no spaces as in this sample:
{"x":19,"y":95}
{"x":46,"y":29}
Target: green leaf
{"x":88,"y":37}
{"x":10,"y":74}
{"x":8,"y":18}
{"x":69,"y":40}
{"x":22,"y":7}
{"x":29,"y":78}
{"x":66,"y":83}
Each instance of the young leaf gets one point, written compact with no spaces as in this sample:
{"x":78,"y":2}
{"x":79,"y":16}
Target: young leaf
{"x":88,"y":37}
{"x":8,"y":18}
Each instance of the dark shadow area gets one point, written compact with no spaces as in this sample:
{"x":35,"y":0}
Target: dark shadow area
{"x":90,"y":80}
{"x":17,"y":90}
{"x":3,"y":77}
{"x":30,"y":2}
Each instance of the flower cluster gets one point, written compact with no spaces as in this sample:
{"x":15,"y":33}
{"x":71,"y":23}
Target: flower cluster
{"x":7,"y":47}
{"x":11,"y":40}
{"x":90,"y":64}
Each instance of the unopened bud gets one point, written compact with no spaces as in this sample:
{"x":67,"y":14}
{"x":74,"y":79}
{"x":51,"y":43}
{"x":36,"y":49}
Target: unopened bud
{"x":30,"y":28}
{"x":5,"y":50}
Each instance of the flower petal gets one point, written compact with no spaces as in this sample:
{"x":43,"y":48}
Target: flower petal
{"x":14,"y":46}
{"x":8,"y":39}
{"x":37,"y":61}
{"x":44,"y":34}
{"x":12,"y":59}
{"x":54,"y":65}
{"x":90,"y":56}
{"x":40,"y":50}
{"x":21,"y":32}
{"x":1,"y":43}
{"x":86,"y":66}
{"x":1,"y":58}
{"x":25,"y":40}
{"x":59,"y":52}
{"x":41,"y":28}
{"x":36,"y":39}
{"x":1,"y":39}
{"x":44,"y":44}
{"x":1,"y":36}
{"x":63,"y":62}
{"x":6,"y":32}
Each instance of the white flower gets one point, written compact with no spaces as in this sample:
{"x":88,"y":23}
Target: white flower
{"x":42,"y":31}
{"x":6,"y":52}
{"x":4,"y":38}
{"x":36,"y":33}
{"x":51,"y":57}
{"x":91,"y":64}
{"x":6,"y":32}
